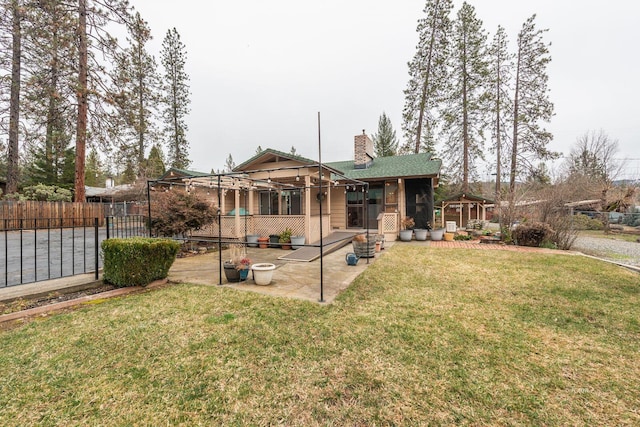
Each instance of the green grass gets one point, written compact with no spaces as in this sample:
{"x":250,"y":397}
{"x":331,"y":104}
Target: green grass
{"x":452,"y":337}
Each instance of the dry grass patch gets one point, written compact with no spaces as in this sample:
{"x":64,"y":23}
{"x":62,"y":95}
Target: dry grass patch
{"x":454,"y":337}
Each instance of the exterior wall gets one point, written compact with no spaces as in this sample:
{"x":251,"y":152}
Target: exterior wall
{"x":338,"y":208}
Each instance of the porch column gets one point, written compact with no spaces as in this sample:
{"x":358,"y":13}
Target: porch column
{"x":250,"y":207}
{"x":307,"y":208}
{"x":236,"y":203}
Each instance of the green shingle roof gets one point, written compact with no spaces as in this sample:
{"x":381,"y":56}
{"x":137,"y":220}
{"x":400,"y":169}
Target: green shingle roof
{"x":183,"y":172}
{"x":405,"y":166}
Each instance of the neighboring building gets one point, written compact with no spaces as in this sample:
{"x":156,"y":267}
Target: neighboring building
{"x":274,"y":190}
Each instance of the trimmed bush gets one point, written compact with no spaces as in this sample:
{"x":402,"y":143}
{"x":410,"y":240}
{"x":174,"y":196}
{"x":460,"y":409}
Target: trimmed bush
{"x":584,"y":222}
{"x":532,"y":234}
{"x":137,"y":261}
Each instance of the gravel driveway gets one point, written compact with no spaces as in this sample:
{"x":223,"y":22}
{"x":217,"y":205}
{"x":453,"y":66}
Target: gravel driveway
{"x":614,"y":250}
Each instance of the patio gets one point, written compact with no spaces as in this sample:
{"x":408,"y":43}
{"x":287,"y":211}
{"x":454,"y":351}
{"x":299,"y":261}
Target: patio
{"x":299,"y":280}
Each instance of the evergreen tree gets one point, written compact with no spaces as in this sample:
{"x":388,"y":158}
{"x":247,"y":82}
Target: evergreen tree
{"x":13,"y":156}
{"x":176,"y":99}
{"x":95,"y":175}
{"x":229,"y":165}
{"x":427,"y":74}
{"x":137,"y":93}
{"x":531,"y":104}
{"x":465,"y":109}
{"x":155,"y":163}
{"x":501,"y":68}
{"x":385,"y":142}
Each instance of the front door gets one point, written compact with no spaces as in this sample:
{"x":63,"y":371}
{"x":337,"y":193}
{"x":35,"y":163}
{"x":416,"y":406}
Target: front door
{"x":356,"y":206}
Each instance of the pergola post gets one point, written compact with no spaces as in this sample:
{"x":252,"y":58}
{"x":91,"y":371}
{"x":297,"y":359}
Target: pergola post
{"x":236,"y":203}
{"x":307,"y":206}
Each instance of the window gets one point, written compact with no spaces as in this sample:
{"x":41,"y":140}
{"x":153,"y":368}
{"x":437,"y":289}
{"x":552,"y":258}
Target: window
{"x":291,"y":202}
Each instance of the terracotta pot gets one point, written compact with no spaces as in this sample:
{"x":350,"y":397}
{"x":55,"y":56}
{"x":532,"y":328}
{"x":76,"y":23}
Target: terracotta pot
{"x":263,"y":242}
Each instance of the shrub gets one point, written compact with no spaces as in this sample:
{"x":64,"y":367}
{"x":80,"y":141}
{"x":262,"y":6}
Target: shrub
{"x":175,"y":213}
{"x":462,"y":237}
{"x":532,"y":234}
{"x":584,"y":222}
{"x":137,"y":261}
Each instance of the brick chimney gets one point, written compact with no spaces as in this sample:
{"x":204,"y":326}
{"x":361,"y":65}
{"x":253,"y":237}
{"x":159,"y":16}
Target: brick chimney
{"x":363,"y":151}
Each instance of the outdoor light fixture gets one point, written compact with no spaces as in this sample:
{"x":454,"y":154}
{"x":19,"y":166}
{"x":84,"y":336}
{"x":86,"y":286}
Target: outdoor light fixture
{"x":269,"y":178}
{"x":298,"y":176}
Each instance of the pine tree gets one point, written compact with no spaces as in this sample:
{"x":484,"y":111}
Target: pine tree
{"x":176,"y":99}
{"x":531,"y":104}
{"x":500,"y":75}
{"x":155,"y":163}
{"x":229,"y":165}
{"x":385,"y":142}
{"x":95,"y":175}
{"x":465,"y":110}
{"x":14,"y":103}
{"x":427,"y":74}
{"x":137,"y":92}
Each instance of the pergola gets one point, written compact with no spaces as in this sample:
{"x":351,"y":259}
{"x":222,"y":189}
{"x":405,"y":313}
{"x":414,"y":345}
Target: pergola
{"x":313,"y":181}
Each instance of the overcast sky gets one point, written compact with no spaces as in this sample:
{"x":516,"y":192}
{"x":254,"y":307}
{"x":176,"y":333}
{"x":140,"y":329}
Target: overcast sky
{"x":261,"y":70}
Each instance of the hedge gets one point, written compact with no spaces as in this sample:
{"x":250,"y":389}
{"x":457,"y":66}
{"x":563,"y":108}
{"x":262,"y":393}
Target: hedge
{"x":137,"y":261}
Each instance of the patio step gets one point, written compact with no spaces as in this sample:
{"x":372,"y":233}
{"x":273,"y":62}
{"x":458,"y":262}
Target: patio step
{"x":332,"y":242}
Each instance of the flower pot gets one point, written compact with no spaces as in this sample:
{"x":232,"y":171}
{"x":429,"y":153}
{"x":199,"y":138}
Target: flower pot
{"x":449,"y":237}
{"x":406,"y":235}
{"x":252,"y":240}
{"x":231,"y":273}
{"x":263,"y":273}
{"x":421,"y":233}
{"x":263,"y":242}
{"x":274,"y":240}
{"x":297,"y":242}
{"x":365,"y":249}
{"x":244,"y":273}
{"x":437,"y":233}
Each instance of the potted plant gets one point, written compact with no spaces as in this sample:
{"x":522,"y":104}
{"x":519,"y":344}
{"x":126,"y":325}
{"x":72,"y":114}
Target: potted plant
{"x":285,"y":238}
{"x":297,"y":242}
{"x":437,"y":233}
{"x":243,"y":267}
{"x":363,"y":248}
{"x":234,"y":264}
{"x":252,"y":240}
{"x":407,"y":228}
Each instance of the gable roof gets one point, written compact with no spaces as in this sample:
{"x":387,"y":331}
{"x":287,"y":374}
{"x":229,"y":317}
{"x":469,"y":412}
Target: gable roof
{"x":404,"y":166}
{"x":181,"y":173}
{"x":466,"y":196}
{"x":271,"y":155}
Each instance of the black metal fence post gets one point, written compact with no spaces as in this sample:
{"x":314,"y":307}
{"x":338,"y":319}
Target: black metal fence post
{"x":95,"y":243}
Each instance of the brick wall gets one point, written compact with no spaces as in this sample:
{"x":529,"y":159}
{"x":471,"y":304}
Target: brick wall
{"x":363,"y":151}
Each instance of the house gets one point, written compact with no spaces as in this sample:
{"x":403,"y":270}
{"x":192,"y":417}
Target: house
{"x":274,"y":190}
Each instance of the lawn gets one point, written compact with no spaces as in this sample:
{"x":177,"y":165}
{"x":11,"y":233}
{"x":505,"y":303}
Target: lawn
{"x":424,"y":336}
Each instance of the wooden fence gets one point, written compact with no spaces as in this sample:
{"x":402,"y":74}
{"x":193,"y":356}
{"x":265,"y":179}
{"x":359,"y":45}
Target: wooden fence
{"x":31,"y":215}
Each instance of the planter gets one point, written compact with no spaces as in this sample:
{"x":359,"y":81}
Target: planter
{"x":449,"y":237}
{"x":421,"y":234}
{"x":244,"y":273}
{"x":231,"y":273}
{"x":274,"y":240}
{"x":252,"y":240}
{"x":263,"y":273}
{"x":406,"y":235}
{"x":297,"y":242}
{"x":437,"y":233}
{"x":364,"y":249}
{"x":285,"y":245}
{"x":263,"y":242}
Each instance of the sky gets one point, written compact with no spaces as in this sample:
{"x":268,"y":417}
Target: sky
{"x":261,"y":71}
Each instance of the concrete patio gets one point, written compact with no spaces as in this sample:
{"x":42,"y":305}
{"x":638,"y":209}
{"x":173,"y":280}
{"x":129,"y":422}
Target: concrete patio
{"x":299,"y":280}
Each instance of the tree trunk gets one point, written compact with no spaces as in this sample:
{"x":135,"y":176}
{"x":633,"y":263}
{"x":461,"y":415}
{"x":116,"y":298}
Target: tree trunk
{"x":425,"y":86}
{"x":14,"y":103}
{"x":82,"y":95}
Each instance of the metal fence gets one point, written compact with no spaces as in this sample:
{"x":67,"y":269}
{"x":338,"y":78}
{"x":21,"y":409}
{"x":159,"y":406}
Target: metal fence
{"x":32,"y":251}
